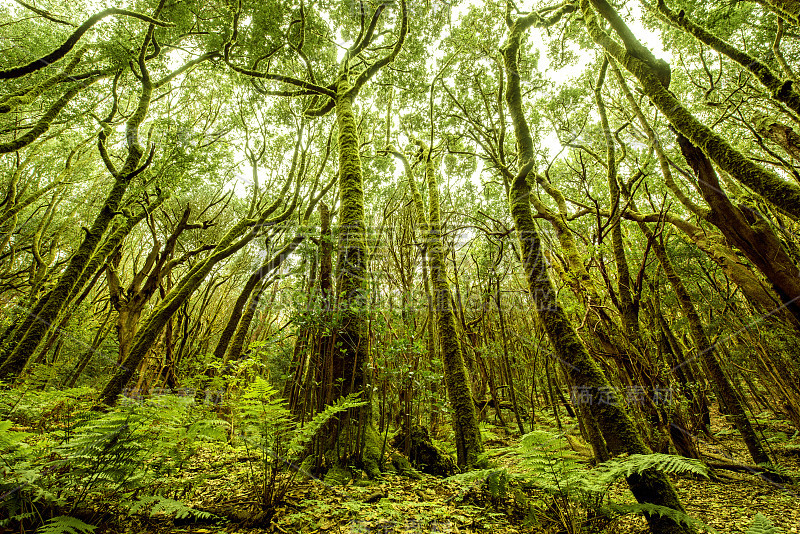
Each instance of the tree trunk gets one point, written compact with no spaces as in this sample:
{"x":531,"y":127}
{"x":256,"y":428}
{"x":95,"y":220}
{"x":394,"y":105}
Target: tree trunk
{"x":618,"y":429}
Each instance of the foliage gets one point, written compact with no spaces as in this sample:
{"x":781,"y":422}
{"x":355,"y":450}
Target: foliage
{"x":276,"y":443}
{"x":762,"y":525}
{"x":113,"y":457}
{"x":159,"y":505}
{"x":64,"y":524}
{"x":578,"y":496}
{"x":225,"y":118}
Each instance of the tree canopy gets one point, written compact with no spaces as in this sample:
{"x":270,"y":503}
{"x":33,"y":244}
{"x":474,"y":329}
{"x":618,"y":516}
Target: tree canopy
{"x":360,"y":237}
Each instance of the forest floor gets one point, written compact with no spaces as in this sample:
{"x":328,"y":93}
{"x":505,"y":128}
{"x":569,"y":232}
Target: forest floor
{"x":398,"y":504}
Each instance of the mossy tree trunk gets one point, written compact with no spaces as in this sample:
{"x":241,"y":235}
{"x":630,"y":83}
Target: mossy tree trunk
{"x":616,"y":426}
{"x":351,"y":350}
{"x":653,"y":76}
{"x":32,"y":328}
{"x":756,"y":292}
{"x":230,"y":243}
{"x":747,"y":230}
{"x":237,"y":343}
{"x":469,"y":445}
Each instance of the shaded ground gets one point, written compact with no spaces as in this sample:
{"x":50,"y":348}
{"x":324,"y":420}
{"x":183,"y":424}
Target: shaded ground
{"x":398,"y":504}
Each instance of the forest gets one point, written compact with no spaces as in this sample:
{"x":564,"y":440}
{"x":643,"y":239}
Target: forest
{"x":361,"y":266}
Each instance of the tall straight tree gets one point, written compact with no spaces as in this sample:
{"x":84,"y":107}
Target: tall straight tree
{"x":355,"y":69}
{"x":465,"y":422}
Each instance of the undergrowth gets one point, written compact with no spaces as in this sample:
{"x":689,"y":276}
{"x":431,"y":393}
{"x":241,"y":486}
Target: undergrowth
{"x":66,"y":468}
{"x":568,"y":496}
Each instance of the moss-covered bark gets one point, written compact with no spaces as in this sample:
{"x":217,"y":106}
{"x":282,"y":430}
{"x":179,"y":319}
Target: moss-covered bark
{"x":350,"y":354}
{"x":465,"y":422}
{"x":46,"y":120}
{"x":46,"y":311}
{"x":773,"y":188}
{"x":616,"y":426}
{"x":72,"y":40}
{"x":781,"y":90}
{"x":232,"y":242}
{"x":706,"y":351}
{"x":747,"y":230}
{"x":779,"y":133}
{"x":627,"y":307}
{"x":30,"y":94}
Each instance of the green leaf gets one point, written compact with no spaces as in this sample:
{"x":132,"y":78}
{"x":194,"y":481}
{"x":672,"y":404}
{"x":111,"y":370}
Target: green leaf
{"x":64,"y":524}
{"x":762,"y":525}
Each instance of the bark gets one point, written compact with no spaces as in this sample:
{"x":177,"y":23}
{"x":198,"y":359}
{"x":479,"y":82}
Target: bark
{"x":769,"y":185}
{"x":706,"y":352}
{"x":781,"y":90}
{"x":747,"y":229}
{"x":780,"y":134}
{"x":618,"y":429}
{"x":148,"y":334}
{"x":465,"y":423}
{"x":28,"y":336}
{"x":73,"y":39}
{"x":351,"y":348}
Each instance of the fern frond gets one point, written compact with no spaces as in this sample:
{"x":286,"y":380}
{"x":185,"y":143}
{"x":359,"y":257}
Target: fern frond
{"x":170,"y":507}
{"x":471,"y":476}
{"x":304,"y":435}
{"x":64,"y":524}
{"x":662,"y":511}
{"x":762,"y":525}
{"x":625,"y":466}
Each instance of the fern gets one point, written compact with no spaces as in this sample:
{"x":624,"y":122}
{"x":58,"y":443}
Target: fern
{"x":544,"y":462}
{"x":64,"y":524}
{"x":170,"y":507}
{"x":497,"y":484}
{"x":304,"y":435}
{"x":762,"y":525}
{"x":625,"y":466}
{"x":649,"y":509}
{"x":107,"y":453}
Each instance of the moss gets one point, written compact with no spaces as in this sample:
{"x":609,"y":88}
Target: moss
{"x":44,"y":123}
{"x":618,"y":430}
{"x":229,"y":244}
{"x":401,"y":464}
{"x":239,"y":338}
{"x":47,"y":309}
{"x":424,"y":454}
{"x":26,"y":97}
{"x":371,"y":454}
{"x":781,"y":193}
{"x":787,"y":9}
{"x":465,"y":422}
{"x":228,"y":334}
{"x":155,"y":322}
{"x":338,"y":475}
{"x":352,"y":243}
{"x":781,"y":90}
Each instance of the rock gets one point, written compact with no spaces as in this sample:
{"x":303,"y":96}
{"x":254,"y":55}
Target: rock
{"x":425,"y":456}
